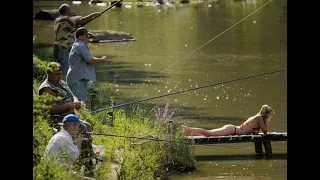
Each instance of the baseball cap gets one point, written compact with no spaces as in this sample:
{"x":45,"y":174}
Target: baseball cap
{"x":71,"y":118}
{"x":81,"y":31}
{"x":63,"y":8}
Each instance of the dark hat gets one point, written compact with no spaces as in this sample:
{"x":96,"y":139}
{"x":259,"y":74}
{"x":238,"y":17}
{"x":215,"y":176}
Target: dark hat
{"x":81,"y":31}
{"x":63,"y":8}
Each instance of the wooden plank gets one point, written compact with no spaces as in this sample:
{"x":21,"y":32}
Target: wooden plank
{"x":271,"y":136}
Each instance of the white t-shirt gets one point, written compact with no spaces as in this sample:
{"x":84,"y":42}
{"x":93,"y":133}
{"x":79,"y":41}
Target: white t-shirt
{"x":62,"y":147}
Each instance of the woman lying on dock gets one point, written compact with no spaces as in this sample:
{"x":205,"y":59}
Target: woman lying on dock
{"x":251,"y":125}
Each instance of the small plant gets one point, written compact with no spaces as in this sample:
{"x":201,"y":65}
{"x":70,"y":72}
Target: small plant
{"x":166,"y":116}
{"x":165,"y":119}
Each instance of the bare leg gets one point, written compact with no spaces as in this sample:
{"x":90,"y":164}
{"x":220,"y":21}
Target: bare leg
{"x":223,"y":131}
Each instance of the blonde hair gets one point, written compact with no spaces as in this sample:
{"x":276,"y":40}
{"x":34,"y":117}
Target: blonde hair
{"x":266,"y":110}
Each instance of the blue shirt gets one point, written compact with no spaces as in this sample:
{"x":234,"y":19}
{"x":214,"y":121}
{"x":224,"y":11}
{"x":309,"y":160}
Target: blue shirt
{"x":79,"y":67}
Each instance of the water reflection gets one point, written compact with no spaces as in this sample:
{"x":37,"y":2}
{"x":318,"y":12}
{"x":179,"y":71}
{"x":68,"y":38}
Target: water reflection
{"x":278,"y":156}
{"x":76,"y":2}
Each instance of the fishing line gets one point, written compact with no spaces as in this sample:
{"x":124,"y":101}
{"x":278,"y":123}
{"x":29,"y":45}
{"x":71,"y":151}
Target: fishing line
{"x":211,"y":40}
{"x":217,"y":36}
{"x":154,"y":139}
{"x":134,"y":137}
{"x":205,"y":103}
{"x":147,"y":99}
{"x":112,"y":5}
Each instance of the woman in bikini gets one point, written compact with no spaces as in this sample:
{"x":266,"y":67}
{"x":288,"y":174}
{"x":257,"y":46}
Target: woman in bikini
{"x":251,"y":125}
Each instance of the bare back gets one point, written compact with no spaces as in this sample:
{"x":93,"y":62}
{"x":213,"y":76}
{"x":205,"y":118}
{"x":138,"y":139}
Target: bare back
{"x":251,"y":125}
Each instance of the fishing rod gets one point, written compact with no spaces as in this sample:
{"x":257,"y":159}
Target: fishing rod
{"x":100,"y":14}
{"x":134,"y":137}
{"x":224,"y":82}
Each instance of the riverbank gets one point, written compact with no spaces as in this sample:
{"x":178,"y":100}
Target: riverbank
{"x":131,"y":132}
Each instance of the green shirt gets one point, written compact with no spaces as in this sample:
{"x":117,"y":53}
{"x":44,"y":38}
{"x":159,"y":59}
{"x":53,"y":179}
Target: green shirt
{"x":63,"y":27}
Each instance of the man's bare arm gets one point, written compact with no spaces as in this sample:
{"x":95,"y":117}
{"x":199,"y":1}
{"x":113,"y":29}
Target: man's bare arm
{"x":98,"y":60}
{"x":63,"y":107}
{"x":85,"y":19}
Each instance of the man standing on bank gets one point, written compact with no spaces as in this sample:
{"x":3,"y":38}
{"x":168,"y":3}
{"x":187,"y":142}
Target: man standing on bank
{"x":64,"y":27}
{"x":81,"y":65}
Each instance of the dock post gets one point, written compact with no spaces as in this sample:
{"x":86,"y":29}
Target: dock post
{"x":258,"y":147}
{"x":267,"y":148}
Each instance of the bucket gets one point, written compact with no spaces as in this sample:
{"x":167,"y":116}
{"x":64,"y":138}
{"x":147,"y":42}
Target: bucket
{"x":98,"y":150}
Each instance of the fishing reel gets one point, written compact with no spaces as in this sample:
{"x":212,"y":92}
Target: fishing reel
{"x":84,"y":131}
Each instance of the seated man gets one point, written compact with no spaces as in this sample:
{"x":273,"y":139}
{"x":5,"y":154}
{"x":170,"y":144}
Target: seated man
{"x":61,"y":145}
{"x":55,"y":86}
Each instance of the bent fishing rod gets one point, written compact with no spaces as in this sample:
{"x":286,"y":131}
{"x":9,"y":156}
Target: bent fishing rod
{"x":215,"y":84}
{"x":100,"y":14}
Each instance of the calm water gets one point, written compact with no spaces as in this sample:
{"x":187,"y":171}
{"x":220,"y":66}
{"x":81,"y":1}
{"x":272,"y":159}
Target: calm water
{"x":186,"y":46}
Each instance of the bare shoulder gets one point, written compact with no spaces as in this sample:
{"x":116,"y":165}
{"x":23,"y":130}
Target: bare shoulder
{"x":254,"y":120}
{"x":258,"y":117}
{"x":259,"y":120}
{"x":47,"y":90}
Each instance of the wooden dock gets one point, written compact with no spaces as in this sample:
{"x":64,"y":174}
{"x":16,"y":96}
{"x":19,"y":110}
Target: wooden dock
{"x":271,"y":136}
{"x":258,"y":140}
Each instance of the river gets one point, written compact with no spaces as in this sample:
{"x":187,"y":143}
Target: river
{"x":184,"y":46}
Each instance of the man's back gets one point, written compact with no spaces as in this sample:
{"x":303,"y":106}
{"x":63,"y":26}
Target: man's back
{"x":62,"y":147}
{"x":63,"y":27}
{"x":79,"y":63}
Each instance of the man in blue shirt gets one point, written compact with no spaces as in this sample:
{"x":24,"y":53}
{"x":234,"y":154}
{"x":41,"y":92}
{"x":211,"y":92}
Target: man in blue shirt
{"x":64,"y":36}
{"x":81,"y":65}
